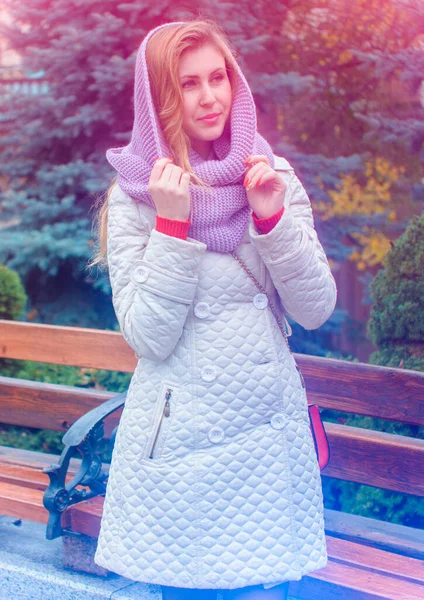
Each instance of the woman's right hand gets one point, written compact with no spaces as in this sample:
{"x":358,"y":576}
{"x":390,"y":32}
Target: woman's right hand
{"x":169,"y":188}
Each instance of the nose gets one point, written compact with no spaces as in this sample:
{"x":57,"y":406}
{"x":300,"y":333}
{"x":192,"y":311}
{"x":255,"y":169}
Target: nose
{"x":207,"y":96}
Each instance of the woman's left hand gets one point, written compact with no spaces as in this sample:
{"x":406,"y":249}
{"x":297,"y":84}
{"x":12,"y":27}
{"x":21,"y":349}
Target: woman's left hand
{"x":265,"y":188}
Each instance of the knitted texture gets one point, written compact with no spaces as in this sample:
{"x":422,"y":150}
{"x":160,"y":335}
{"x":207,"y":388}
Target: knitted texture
{"x":265,"y":225}
{"x":173,"y":227}
{"x":219,"y":214}
{"x":180,"y":228}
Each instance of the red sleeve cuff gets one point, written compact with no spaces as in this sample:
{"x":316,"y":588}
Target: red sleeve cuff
{"x":265,"y":225}
{"x":173,"y":227}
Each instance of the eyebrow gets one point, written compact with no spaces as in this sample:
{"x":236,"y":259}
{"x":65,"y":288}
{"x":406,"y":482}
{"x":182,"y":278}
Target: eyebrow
{"x":196,"y":76}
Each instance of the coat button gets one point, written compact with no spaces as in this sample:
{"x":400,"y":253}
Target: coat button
{"x":260,"y":301}
{"x":277,"y":421}
{"x":208,"y":373}
{"x":202,"y":310}
{"x":216,"y":435}
{"x":141,"y":274}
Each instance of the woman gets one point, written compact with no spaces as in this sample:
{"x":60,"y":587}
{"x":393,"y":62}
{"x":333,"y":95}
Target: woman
{"x":214,"y":482}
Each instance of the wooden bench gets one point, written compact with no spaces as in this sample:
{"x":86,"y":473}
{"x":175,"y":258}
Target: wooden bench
{"x":368,"y":559}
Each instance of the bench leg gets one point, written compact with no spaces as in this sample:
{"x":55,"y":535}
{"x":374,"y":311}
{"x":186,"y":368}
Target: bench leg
{"x":78,"y":554}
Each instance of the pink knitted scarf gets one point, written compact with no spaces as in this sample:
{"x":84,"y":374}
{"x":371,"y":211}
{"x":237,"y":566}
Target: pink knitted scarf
{"x":218,"y":214}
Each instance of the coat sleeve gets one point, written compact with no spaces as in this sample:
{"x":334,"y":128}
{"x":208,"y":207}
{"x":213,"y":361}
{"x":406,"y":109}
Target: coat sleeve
{"x":295,"y":258}
{"x":153,"y":277}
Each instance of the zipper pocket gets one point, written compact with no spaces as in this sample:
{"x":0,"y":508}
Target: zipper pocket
{"x":165,"y":413}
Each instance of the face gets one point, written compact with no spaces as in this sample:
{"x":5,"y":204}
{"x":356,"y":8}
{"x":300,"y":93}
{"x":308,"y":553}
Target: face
{"x":206,"y":90}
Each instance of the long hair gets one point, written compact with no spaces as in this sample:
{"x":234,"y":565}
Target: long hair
{"x":163,"y":53}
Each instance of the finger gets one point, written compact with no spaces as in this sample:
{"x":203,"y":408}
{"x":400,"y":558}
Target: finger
{"x":259,"y":177}
{"x":255,"y":158}
{"x":158,"y":168}
{"x":253,"y":170}
{"x":175,"y":176}
{"x":185,"y":182}
{"x":258,"y":169}
{"x":261,"y":180}
{"x":167,"y":173}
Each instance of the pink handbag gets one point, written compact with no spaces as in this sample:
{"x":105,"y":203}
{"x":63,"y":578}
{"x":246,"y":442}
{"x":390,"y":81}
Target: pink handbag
{"x":316,"y":425}
{"x":322,"y":447}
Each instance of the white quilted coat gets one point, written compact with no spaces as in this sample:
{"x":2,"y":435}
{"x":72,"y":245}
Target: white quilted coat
{"x":214,"y":481}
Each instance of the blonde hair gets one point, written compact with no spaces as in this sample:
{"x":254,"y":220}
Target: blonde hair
{"x":163,"y":52}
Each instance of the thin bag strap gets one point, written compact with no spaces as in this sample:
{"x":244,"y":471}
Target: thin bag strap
{"x":274,"y":312}
{"x":262,"y":289}
{"x":319,"y":435}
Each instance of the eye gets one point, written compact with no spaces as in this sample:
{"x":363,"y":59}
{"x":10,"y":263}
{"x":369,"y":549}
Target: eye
{"x":188,"y":83}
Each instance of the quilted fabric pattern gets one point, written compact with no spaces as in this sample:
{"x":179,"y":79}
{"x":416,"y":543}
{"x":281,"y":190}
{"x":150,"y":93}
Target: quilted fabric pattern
{"x":214,"y":481}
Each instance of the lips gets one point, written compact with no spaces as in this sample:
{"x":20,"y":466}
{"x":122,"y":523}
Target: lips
{"x":209,"y":117}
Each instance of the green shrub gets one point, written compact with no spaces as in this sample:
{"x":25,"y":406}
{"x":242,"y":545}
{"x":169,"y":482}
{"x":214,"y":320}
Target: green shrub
{"x":396,"y":324}
{"x":12,"y":294}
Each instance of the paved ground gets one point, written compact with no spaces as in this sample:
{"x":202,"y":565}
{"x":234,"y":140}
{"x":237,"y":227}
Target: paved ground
{"x":31,"y":569}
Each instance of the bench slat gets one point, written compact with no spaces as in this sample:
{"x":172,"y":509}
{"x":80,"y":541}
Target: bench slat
{"x":330,"y":383}
{"x":373,"y":559}
{"x":26,"y":503}
{"x":392,"y":537}
{"x":24,"y":476}
{"x":33,"y":458}
{"x":364,"y":389}
{"x":386,"y":460}
{"x":60,"y":345}
{"x":339,"y":581}
{"x":28,"y":476}
{"x":49,"y":405}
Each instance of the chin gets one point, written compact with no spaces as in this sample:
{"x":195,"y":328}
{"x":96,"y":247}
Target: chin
{"x":210,"y":135}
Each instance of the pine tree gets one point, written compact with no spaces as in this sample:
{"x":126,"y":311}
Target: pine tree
{"x":52,"y":152}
